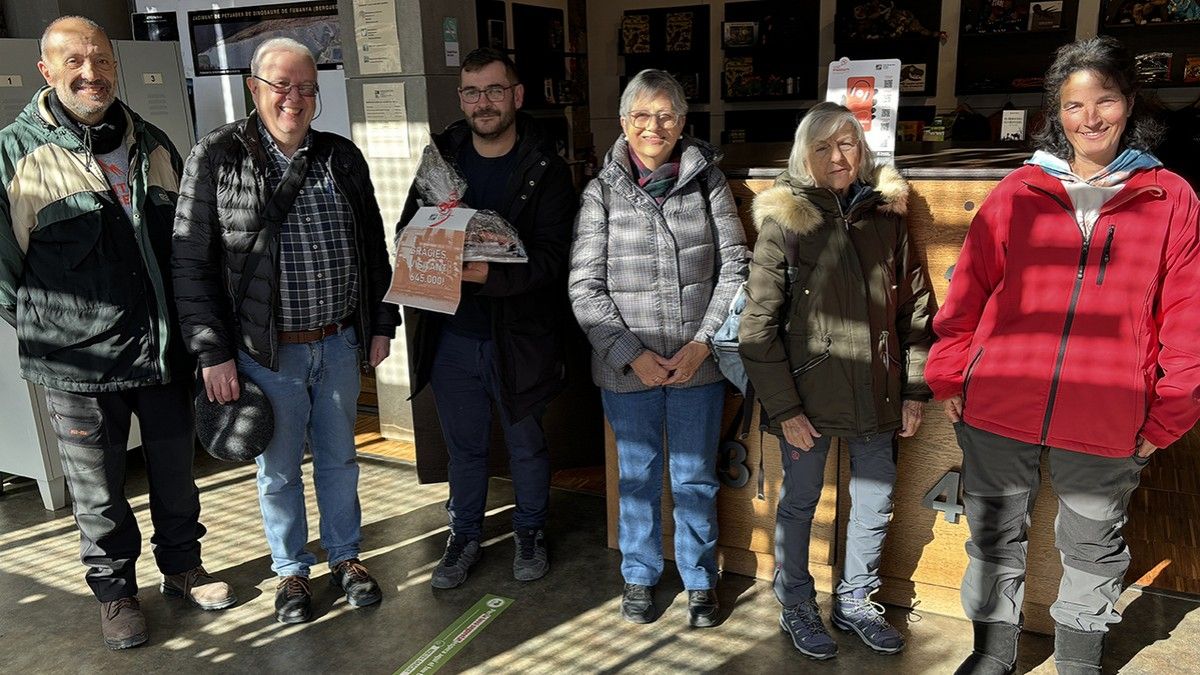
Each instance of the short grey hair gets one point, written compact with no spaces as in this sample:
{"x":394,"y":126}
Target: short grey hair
{"x":53,"y":25}
{"x":279,"y":44}
{"x":822,"y":121}
{"x":650,"y":83}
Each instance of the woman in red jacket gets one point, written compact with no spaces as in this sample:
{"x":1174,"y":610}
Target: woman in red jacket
{"x":1071,"y":326}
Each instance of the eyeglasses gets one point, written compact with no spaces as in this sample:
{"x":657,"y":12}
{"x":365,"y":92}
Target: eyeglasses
{"x":305,"y":89}
{"x":641,"y":119}
{"x":845,"y":147}
{"x":495,"y":93}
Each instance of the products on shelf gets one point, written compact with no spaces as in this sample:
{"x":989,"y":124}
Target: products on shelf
{"x":679,"y":31}
{"x":635,"y":33}
{"x":1153,"y":67}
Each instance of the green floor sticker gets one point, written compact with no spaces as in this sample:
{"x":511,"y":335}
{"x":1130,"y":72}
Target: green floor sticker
{"x":463,"y":630}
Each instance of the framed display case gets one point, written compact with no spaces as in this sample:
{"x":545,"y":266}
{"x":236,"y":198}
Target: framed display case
{"x":908,"y":30}
{"x":1005,"y":46}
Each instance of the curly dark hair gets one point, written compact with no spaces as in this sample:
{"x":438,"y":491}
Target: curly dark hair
{"x":1110,"y":59}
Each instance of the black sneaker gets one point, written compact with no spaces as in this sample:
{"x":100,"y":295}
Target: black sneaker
{"x":360,"y":589}
{"x":702,"y":608}
{"x":293,"y":600}
{"x":530,"y":560}
{"x":456,"y":562}
{"x":637,"y":603}
{"x":802,"y":624}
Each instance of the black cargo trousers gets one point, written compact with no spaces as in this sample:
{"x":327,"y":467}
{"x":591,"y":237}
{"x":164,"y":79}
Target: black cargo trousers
{"x":93,"y":431}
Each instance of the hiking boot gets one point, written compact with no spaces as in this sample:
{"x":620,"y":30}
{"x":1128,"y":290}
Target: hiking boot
{"x":293,"y":600}
{"x":637,"y":603}
{"x":360,"y":589}
{"x":122,"y":623}
{"x":530,"y":560}
{"x":199,"y":588}
{"x":995,"y":651}
{"x":803,"y":624}
{"x":1077,"y":652}
{"x":856,"y":612}
{"x":702,"y":608}
{"x":460,"y":555}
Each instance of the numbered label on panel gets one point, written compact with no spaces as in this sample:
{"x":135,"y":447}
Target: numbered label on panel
{"x":731,"y":465}
{"x":944,"y":497}
{"x":152,"y":78}
{"x":11,"y":81}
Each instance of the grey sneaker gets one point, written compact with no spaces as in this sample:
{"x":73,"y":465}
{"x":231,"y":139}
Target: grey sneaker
{"x":803,"y":624}
{"x":530,"y":560}
{"x":460,"y":555}
{"x":856,"y":612}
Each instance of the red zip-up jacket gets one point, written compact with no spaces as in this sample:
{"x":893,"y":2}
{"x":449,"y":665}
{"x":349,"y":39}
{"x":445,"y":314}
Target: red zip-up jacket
{"x":1077,"y":344}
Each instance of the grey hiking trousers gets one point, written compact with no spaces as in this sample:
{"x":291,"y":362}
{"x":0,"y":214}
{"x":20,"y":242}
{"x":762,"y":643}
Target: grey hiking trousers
{"x":872,"y":477}
{"x":1000,"y":482}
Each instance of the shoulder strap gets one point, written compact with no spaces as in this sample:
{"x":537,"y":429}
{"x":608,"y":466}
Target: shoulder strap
{"x":272,"y":217}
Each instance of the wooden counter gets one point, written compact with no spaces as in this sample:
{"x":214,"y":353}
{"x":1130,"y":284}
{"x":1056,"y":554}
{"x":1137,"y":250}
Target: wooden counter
{"x":924,"y":556}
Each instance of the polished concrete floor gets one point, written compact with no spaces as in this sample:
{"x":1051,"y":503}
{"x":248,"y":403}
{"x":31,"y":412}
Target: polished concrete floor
{"x":565,"y":623}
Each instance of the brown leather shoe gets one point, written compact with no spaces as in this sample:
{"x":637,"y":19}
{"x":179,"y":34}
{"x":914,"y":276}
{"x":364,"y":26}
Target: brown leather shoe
{"x":200,"y":589}
{"x":122,"y":623}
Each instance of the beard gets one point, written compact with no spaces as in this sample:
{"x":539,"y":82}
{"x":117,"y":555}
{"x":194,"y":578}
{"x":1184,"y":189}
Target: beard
{"x":86,"y":106}
{"x":489,"y":116}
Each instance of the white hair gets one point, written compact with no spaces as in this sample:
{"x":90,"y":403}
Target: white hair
{"x":650,"y":83}
{"x":279,"y":44}
{"x":820,"y":122}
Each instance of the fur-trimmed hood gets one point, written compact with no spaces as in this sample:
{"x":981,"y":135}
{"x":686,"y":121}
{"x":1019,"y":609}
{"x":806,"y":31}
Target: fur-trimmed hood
{"x":803,"y":208}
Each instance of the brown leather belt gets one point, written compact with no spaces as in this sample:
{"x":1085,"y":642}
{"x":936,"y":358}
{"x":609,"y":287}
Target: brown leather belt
{"x":295,"y":337}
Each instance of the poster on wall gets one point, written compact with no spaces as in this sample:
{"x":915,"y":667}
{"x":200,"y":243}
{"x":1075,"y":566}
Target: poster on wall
{"x":155,"y":26}
{"x":376,"y":35}
{"x":386,"y":116}
{"x":224,"y":40}
{"x":871,"y":90}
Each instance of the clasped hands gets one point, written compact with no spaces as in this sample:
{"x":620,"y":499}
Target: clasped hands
{"x":655,"y":370}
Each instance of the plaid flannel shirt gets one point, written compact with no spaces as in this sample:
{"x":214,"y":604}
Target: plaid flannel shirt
{"x":318,"y":271}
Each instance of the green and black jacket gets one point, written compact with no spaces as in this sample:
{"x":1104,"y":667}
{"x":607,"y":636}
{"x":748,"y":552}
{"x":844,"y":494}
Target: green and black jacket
{"x":847,"y":342}
{"x":87,"y":289}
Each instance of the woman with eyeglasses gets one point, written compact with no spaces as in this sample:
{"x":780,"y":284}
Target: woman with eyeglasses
{"x":834,"y":337}
{"x":659,"y":253}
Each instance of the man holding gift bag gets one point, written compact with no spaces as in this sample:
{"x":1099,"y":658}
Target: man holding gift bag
{"x":503,"y":345}
{"x":280,"y":268}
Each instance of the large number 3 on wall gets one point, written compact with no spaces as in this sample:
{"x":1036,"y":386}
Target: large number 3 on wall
{"x":944,"y":497}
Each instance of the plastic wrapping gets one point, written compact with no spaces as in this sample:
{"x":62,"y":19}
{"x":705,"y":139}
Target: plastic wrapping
{"x":489,"y":236}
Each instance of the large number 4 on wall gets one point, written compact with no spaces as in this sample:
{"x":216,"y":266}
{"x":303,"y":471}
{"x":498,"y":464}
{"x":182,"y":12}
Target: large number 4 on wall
{"x":944,"y":497}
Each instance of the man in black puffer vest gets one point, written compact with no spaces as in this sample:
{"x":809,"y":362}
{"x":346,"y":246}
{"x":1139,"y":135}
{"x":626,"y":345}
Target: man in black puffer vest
{"x":504,"y":346}
{"x":87,"y":191}
{"x":280,"y":268}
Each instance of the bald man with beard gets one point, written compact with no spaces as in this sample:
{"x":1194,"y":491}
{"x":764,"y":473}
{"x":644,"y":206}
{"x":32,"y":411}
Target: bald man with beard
{"x":87,"y":200}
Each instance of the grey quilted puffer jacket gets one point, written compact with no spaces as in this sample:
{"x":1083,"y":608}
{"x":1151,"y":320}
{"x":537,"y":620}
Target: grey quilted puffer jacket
{"x":650,"y":277}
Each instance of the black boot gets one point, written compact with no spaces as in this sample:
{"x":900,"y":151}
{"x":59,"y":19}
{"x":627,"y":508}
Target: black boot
{"x":995,"y":649}
{"x":1077,"y":652}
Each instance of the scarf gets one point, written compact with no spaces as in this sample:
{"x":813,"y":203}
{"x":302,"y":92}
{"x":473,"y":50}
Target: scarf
{"x":1127,"y":163}
{"x":101,"y":138}
{"x":657,"y":183}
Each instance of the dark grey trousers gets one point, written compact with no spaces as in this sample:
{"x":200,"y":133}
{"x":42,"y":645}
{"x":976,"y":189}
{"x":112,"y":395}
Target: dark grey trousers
{"x":1000,"y":482}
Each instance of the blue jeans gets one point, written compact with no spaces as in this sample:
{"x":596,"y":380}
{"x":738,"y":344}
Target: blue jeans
{"x":872,"y":476}
{"x":315,"y":399}
{"x":466,"y":383}
{"x":692,"y":419}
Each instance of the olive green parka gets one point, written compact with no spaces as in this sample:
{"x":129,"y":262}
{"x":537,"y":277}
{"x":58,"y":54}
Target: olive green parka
{"x":848,"y":343}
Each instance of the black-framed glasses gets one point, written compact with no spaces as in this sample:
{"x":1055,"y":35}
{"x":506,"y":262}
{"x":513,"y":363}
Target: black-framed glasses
{"x":305,"y":89}
{"x":641,"y":119}
{"x":495,"y":93}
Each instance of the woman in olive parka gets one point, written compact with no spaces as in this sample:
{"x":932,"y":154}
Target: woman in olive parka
{"x":834,"y":336}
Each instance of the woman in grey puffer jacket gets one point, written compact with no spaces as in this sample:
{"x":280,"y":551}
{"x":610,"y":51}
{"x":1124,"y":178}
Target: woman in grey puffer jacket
{"x":659,"y":253}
